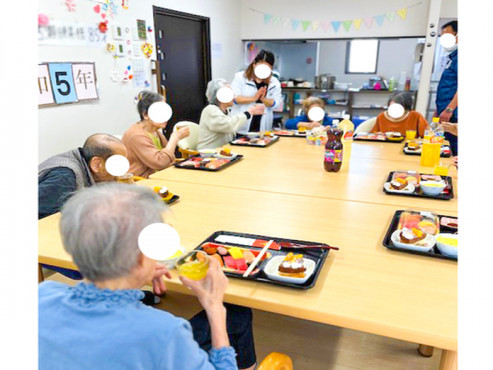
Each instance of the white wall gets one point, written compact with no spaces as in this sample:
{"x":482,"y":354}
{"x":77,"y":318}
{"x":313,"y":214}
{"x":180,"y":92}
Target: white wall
{"x":253,"y":27}
{"x":62,"y":128}
{"x":395,"y":56}
{"x":448,"y":9}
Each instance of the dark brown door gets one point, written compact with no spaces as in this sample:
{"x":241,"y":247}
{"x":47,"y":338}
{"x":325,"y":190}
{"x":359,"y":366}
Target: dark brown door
{"x":183,"y":53}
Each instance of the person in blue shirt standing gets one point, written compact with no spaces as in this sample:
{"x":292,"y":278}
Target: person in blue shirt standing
{"x":446,"y":99}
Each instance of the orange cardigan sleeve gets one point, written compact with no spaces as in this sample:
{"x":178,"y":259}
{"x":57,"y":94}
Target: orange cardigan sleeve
{"x":148,"y":154}
{"x":377,"y":128}
{"x":422,"y":125}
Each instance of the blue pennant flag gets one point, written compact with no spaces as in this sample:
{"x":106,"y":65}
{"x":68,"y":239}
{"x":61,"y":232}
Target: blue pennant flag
{"x":336,"y":25}
{"x":295,"y":23}
{"x":379,"y":19}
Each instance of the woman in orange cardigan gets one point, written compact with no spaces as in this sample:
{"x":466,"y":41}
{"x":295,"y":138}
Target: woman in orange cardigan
{"x":410,"y":120}
{"x":147,"y":148}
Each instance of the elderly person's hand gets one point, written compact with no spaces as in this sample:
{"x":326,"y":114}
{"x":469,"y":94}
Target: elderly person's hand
{"x":450,"y":127}
{"x":182,"y":132}
{"x":210,"y":290}
{"x":256,"y":109}
{"x":308,"y":125}
{"x":158,"y":285}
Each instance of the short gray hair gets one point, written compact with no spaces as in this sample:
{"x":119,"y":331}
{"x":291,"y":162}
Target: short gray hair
{"x":100,"y":227}
{"x":212,"y":88}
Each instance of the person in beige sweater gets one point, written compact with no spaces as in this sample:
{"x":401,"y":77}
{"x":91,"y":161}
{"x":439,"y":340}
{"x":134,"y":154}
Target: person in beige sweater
{"x":148,"y":150}
{"x":217,"y":128}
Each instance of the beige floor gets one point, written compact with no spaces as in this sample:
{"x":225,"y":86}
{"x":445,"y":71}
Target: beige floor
{"x":314,"y":346}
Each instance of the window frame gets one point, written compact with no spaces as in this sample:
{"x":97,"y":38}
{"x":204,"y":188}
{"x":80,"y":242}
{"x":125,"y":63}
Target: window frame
{"x":348,"y":56}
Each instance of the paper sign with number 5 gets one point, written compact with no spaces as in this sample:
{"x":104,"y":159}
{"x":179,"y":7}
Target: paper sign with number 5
{"x":62,"y":82}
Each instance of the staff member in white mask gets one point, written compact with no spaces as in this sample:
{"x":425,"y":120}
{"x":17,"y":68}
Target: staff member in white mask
{"x":257,"y":85}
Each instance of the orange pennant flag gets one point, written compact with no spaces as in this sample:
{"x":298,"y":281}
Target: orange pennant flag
{"x":402,"y":13}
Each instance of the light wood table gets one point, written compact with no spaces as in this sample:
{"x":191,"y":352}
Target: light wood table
{"x":293,"y":167}
{"x":363,"y":286}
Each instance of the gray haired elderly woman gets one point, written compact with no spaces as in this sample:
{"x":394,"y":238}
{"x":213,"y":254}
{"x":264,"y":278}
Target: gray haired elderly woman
{"x":101,"y":322}
{"x":217,"y":128}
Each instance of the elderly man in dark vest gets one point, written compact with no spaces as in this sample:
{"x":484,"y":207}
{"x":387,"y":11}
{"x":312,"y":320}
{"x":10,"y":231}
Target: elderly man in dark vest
{"x":63,"y":174}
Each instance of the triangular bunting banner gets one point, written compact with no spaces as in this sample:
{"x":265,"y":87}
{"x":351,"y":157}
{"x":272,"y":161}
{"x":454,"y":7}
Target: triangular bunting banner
{"x":347,"y":25}
{"x":336,"y":25}
{"x":357,"y":23}
{"x":285,"y":22}
{"x":305,"y":24}
{"x":368,"y":22}
{"x":379,"y":19}
{"x":267,"y":18}
{"x":390,"y":16}
{"x":315,"y":25}
{"x":276,"y":20}
{"x":295,"y":23}
{"x":402,"y":13}
{"x":325,"y":26}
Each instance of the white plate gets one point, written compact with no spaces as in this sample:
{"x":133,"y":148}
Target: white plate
{"x":429,"y":242}
{"x":233,"y":155}
{"x":271,"y":269}
{"x":407,"y":150}
{"x":409,"y":189}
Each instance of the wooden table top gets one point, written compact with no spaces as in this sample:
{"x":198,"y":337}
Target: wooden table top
{"x":363,"y":286}
{"x":293,"y":167}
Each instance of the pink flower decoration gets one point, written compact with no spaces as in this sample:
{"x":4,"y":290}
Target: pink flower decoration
{"x":43,"y":19}
{"x":70,"y":5}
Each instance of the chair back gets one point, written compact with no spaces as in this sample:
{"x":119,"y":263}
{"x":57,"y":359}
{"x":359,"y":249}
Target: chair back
{"x":366,"y":126}
{"x":192,"y":140}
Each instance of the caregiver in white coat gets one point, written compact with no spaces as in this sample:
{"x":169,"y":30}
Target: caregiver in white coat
{"x":257,"y":85}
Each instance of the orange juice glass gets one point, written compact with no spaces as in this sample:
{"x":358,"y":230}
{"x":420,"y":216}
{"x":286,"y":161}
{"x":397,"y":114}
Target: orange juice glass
{"x":430,"y":154}
{"x":193,"y":265}
{"x":441,"y":170}
{"x":127,"y":178}
{"x":410,"y":134}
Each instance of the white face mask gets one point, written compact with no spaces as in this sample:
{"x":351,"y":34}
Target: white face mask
{"x":451,"y":48}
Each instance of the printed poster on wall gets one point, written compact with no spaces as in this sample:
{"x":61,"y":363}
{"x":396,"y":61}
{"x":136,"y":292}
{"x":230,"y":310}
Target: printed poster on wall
{"x":85,"y":81}
{"x":45,"y":96}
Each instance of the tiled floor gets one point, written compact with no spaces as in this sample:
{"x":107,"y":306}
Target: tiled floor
{"x":314,"y":346}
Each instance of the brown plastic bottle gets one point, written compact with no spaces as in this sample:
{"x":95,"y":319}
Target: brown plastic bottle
{"x":333,"y":150}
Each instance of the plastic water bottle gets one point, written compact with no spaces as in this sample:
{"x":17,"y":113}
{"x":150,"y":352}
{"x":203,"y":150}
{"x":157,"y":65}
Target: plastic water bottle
{"x":347,"y":138}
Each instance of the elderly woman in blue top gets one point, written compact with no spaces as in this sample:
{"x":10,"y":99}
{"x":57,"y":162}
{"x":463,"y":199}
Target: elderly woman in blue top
{"x":251,"y":89}
{"x":303,"y":120}
{"x":101,"y":323}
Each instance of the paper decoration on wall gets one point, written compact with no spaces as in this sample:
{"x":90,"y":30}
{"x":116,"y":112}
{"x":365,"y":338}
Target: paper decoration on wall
{"x":276,"y":20}
{"x":141,"y":29}
{"x":70,"y":5}
{"x":109,"y":9}
{"x":125,"y":4}
{"x":61,"y":83}
{"x":139,"y":73}
{"x":117,"y":32}
{"x":147,"y":49}
{"x":85,"y":81}
{"x":149,"y":29}
{"x":62,"y":33}
{"x":103,"y":26}
{"x":43,"y":20}
{"x":45,"y":95}
{"x":252,"y":51}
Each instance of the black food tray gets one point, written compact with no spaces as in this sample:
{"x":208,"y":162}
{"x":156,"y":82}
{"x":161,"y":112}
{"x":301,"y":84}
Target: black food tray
{"x":234,"y":160}
{"x":419,"y":194}
{"x":275,"y":139}
{"x":434,"y":252}
{"x":355,"y":138}
{"x":443,"y":155}
{"x":318,"y":255}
